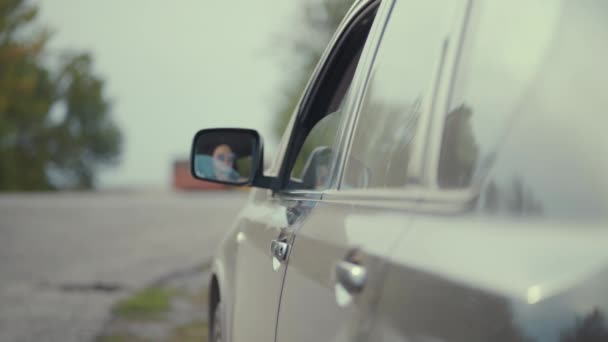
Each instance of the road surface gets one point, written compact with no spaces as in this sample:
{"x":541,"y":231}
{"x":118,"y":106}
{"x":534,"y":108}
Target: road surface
{"x":66,"y":258}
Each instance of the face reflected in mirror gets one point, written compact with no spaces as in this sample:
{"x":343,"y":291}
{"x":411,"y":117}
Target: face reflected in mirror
{"x":223,"y":163}
{"x":224,"y":155}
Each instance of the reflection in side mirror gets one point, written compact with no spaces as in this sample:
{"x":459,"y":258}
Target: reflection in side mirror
{"x":226,"y":155}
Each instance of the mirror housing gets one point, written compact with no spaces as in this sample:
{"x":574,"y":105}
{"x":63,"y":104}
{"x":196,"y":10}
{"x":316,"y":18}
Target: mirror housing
{"x":232,"y":156}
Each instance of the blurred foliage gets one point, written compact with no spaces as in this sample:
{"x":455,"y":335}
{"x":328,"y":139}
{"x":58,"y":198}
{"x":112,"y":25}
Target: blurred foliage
{"x":55,"y":128}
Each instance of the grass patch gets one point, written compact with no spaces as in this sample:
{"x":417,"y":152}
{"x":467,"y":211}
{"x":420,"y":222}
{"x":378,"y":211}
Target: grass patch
{"x":119,"y":338}
{"x":150,"y":303}
{"x":193,"y":331}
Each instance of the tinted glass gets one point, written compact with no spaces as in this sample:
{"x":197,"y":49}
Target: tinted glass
{"x":401,"y":82}
{"x":527,"y":117}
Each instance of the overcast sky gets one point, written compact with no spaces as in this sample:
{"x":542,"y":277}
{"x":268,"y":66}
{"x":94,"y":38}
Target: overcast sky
{"x":173,"y":67}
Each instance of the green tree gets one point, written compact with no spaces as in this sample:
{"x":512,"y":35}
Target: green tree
{"x":55,"y":125}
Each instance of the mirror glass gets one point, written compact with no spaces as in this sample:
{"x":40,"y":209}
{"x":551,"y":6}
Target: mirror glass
{"x":225,"y":155}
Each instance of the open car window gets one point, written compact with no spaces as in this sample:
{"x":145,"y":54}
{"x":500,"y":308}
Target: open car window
{"x":310,"y":157}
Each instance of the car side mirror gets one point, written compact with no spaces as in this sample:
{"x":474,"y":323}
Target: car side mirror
{"x":230,"y":156}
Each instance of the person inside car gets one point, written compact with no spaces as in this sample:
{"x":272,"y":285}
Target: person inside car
{"x":223,"y":163}
{"x":219,"y":163}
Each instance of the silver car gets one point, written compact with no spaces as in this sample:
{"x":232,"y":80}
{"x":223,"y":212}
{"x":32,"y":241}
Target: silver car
{"x":443,"y":178}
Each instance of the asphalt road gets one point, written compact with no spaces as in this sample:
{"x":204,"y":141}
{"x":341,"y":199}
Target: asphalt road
{"x":66,"y":258}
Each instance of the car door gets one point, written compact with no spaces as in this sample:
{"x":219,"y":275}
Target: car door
{"x":268,"y":224}
{"x":343,"y":245}
{"x":509,"y":242}
{"x":309,"y":310}
{"x":257,"y":284}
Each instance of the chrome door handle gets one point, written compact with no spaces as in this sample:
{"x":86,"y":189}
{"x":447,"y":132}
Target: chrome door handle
{"x":351,"y":276}
{"x":279,"y":249}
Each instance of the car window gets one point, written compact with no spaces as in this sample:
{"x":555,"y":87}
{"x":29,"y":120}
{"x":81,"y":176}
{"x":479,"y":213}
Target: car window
{"x":315,"y":135}
{"x":400,"y":84}
{"x":525,"y":126}
{"x":314,"y":161}
{"x":499,"y":62}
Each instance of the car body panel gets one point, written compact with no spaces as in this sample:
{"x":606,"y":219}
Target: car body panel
{"x":334,"y":232}
{"x":481,"y":279}
{"x":225,"y":261}
{"x":519,"y":254}
{"x":257,"y":283}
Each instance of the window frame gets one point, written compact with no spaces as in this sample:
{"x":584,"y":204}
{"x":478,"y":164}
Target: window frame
{"x":357,"y":12}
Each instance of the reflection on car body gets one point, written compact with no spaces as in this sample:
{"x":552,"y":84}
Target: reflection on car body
{"x":443,"y":179}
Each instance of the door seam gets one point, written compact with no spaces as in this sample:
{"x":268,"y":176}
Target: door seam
{"x":276,"y":324}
